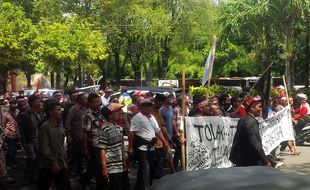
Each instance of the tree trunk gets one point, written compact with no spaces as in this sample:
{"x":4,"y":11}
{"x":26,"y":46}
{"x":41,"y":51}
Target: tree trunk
{"x":137,"y":77}
{"x":79,"y":82}
{"x":66,"y":82}
{"x":52,"y":79}
{"x":3,"y":87}
{"x":13,"y":76}
{"x":104,"y":73}
{"x":58,"y":79}
{"x":116,"y":52}
{"x":307,"y":62}
{"x":165,"y":56}
{"x":149,"y":73}
{"x":75,"y":79}
{"x":159,"y":68}
{"x":28,"y":77}
{"x":289,"y":65}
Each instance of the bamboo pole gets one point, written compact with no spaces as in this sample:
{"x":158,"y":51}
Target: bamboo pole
{"x":183,"y":114}
{"x":288,"y":103}
{"x":286,"y":92}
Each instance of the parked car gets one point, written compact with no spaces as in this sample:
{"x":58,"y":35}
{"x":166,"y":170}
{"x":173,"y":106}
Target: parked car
{"x":47,"y":91}
{"x":89,"y":89}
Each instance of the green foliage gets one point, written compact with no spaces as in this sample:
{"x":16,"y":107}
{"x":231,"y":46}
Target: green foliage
{"x":152,"y":37}
{"x":234,"y":60}
{"x":63,"y":45}
{"x":16,"y":34}
{"x":192,"y":61}
{"x":214,"y":90}
{"x":265,"y":30}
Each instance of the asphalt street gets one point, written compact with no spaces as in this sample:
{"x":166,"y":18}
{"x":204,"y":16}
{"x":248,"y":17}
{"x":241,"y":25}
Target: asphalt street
{"x":292,"y":164}
{"x":297,"y":164}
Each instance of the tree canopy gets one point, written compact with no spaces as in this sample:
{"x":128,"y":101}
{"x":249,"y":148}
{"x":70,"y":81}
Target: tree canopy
{"x":79,"y":40}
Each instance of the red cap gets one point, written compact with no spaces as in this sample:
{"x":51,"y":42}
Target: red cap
{"x":252,"y":99}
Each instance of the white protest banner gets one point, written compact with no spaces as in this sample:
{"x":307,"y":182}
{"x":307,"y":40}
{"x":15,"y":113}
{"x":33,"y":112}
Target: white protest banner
{"x":276,"y":129}
{"x":209,"y":139}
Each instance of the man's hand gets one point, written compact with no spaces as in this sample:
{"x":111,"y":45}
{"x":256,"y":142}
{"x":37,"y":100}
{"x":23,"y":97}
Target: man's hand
{"x":182,"y":140}
{"x":269,"y":165}
{"x":125,"y":167}
{"x":130,"y":151}
{"x":166,"y":145}
{"x":171,"y":143}
{"x":105,"y":174}
{"x":55,"y":168}
{"x":85,"y":153}
{"x":178,"y":135}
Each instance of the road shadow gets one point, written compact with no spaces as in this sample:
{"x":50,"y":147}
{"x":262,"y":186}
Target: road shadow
{"x":302,"y":169}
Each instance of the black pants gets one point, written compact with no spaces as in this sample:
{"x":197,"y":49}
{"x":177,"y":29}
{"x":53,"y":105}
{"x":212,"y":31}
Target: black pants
{"x":94,"y":168}
{"x":31,"y":169}
{"x":157,"y":165}
{"x":46,"y":177}
{"x":115,"y":182}
{"x":75,"y":154}
{"x":125,"y":181}
{"x":178,"y":153}
{"x":144,"y":174}
{"x":11,"y":153}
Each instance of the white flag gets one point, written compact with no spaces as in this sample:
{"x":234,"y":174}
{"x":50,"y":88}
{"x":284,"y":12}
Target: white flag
{"x":209,"y":65}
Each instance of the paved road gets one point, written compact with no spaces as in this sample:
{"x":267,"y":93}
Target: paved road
{"x":296,"y":164}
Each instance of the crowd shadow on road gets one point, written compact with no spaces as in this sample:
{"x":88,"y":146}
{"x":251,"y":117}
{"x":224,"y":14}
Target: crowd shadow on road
{"x":302,"y":169}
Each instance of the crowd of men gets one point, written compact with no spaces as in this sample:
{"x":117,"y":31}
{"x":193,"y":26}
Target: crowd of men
{"x":59,"y":135}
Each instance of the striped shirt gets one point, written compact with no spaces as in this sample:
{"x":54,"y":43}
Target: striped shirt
{"x":110,"y":139}
{"x":10,"y":127}
{"x":92,"y":122}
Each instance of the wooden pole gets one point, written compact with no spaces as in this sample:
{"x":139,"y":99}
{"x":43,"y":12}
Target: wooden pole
{"x":183,"y":114}
{"x":284,"y":83}
{"x":288,"y":103}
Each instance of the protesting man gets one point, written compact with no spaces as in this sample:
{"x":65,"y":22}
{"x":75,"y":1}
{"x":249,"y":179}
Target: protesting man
{"x":93,"y":122}
{"x":160,"y":155}
{"x":74,"y":123}
{"x":142,"y":137}
{"x":302,"y":111}
{"x":11,"y":132}
{"x":225,"y":105}
{"x":247,"y":147}
{"x":28,"y":123}
{"x":105,"y":98}
{"x":125,"y":98}
{"x":111,"y":145}
{"x":201,"y":106}
{"x":4,"y":175}
{"x":52,"y":165}
{"x":167,"y":113}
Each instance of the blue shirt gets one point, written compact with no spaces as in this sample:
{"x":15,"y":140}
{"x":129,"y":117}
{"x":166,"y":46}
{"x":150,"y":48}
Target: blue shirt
{"x":167,"y":113}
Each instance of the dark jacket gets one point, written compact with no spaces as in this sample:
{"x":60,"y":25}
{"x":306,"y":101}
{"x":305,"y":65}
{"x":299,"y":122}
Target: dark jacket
{"x":28,"y":123}
{"x":247,"y":147}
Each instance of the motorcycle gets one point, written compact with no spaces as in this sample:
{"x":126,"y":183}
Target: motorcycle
{"x":303,"y":130}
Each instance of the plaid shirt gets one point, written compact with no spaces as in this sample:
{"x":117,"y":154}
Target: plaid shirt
{"x":74,"y":121}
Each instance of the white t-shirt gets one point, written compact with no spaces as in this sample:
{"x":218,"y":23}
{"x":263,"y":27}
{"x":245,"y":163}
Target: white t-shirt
{"x":145,"y":127}
{"x":105,"y":101}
